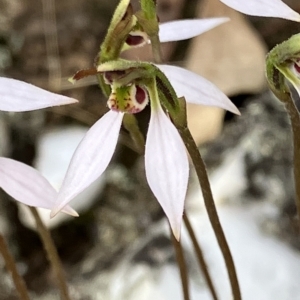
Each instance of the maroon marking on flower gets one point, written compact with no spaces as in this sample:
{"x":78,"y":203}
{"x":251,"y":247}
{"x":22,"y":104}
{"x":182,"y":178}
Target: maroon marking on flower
{"x":140,"y":95}
{"x":134,"y":40}
{"x":111,"y":75}
{"x":297,"y":67}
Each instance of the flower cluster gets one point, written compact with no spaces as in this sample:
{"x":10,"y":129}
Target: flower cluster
{"x":129,"y":87}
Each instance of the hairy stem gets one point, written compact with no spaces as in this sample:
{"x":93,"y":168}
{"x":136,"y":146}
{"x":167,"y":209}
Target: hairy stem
{"x":182,"y":267}
{"x":200,"y":257}
{"x":52,"y":254}
{"x":211,"y":208}
{"x":12,"y":268}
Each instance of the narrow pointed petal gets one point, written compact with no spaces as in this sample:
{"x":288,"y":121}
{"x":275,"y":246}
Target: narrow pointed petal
{"x":186,"y":29}
{"x":197,"y":89}
{"x":264,"y":8}
{"x":167,"y":167}
{"x":27,"y":185}
{"x":90,"y":159}
{"x":17,"y":95}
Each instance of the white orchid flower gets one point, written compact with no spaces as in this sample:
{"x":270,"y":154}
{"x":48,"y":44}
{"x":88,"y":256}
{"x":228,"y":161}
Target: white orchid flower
{"x":20,"y":181}
{"x":264,"y":8}
{"x":166,"y":161}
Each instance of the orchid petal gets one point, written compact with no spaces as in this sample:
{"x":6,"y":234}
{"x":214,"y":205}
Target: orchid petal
{"x":186,"y":29}
{"x":17,"y":95}
{"x":167,"y":167}
{"x":91,"y":158}
{"x":27,"y":185}
{"x":264,"y":8}
{"x":197,"y":89}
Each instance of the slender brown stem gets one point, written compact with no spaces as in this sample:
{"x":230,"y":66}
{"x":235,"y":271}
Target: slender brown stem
{"x":295,"y":121}
{"x":12,"y":268}
{"x":182,"y":267}
{"x":211,"y":208}
{"x":52,"y":254}
{"x":200,"y":257}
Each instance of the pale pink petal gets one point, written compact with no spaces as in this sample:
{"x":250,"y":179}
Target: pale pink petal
{"x":264,"y":8}
{"x":91,"y":158}
{"x":27,"y":185}
{"x":167,"y":167}
{"x":186,"y":29}
{"x":196,"y":89}
{"x":17,"y":95}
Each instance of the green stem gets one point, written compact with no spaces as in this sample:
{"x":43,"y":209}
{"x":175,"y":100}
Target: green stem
{"x":211,"y":208}
{"x":156,"y":49}
{"x":12,"y":268}
{"x":295,"y":121}
{"x":200,"y":257}
{"x":52,"y":254}
{"x":182,"y":267}
{"x":130,"y":123}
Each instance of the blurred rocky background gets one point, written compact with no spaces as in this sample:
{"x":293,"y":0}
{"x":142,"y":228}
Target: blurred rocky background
{"x":119,"y":247}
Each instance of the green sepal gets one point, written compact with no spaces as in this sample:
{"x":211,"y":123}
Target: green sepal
{"x":147,"y":17}
{"x":121,"y":24}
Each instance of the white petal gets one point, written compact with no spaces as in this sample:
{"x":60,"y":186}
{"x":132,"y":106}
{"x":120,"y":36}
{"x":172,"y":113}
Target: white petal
{"x":167,"y":167}
{"x":91,"y":158}
{"x":27,"y":185}
{"x":186,"y":29}
{"x":17,"y":95}
{"x":197,"y":89}
{"x":264,"y":8}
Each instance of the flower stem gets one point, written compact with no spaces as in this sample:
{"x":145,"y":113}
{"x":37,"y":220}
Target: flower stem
{"x":131,"y":124}
{"x":279,"y":72}
{"x":52,"y":254}
{"x":295,"y":121}
{"x":12,"y":268}
{"x":211,"y":208}
{"x":200,"y":257}
{"x":156,"y":49}
{"x":182,"y":267}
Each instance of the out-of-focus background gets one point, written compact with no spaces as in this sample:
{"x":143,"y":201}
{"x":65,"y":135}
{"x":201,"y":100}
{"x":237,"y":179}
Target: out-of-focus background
{"x":119,"y":247}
